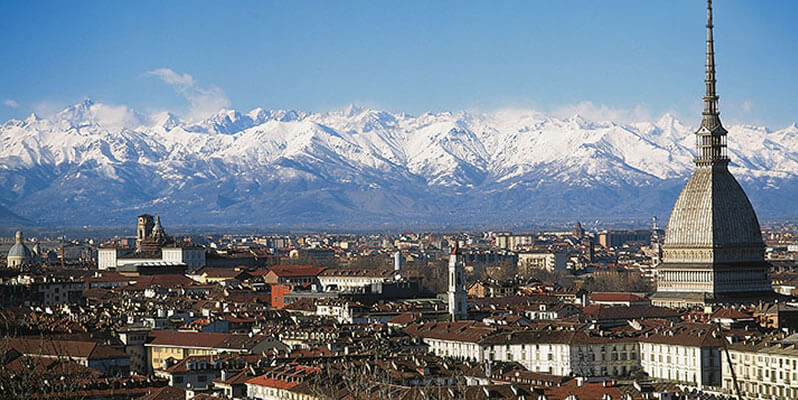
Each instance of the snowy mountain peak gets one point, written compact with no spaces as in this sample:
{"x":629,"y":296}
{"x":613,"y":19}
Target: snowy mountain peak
{"x":165,"y":120}
{"x":352,"y":110}
{"x":77,"y":115}
{"x":667,"y":120}
{"x":33,"y":117}
{"x":358,"y":163}
{"x":580,"y":122}
{"x":258,"y":115}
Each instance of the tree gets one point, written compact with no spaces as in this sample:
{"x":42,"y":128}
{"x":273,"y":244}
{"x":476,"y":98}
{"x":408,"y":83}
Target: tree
{"x":503,"y":270}
{"x":618,"y":282}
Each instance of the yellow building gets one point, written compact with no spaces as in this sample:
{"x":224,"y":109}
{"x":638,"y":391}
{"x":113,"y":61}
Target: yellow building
{"x":179,"y":345}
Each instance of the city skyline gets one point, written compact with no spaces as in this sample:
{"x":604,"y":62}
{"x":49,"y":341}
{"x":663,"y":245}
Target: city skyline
{"x":559,"y":58}
{"x":362,"y":254}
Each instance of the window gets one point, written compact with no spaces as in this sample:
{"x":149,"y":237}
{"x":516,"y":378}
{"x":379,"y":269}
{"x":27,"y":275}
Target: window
{"x":178,"y":379}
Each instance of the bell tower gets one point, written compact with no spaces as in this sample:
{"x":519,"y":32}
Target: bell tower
{"x":458,"y":307}
{"x":144,"y":228}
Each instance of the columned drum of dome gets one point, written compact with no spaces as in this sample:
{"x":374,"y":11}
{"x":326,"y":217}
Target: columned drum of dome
{"x":713,"y":250}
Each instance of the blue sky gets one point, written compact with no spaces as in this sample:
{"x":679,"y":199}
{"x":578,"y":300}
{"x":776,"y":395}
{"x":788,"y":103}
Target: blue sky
{"x":621,"y":58}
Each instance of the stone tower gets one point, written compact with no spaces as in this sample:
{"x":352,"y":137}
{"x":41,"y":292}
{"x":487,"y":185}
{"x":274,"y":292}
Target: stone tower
{"x":398,"y":265}
{"x":656,"y":246}
{"x":457,"y":291}
{"x":713,"y":249}
{"x":144,"y":228}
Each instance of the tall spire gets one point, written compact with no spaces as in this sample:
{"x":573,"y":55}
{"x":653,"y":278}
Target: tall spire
{"x":711,"y":136}
{"x":711,"y":97}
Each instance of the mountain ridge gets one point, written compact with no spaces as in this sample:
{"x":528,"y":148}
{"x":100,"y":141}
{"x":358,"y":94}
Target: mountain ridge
{"x":94,"y":163}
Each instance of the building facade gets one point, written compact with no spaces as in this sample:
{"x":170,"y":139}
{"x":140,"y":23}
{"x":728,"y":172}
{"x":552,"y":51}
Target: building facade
{"x":763,"y":369}
{"x":529,"y":261}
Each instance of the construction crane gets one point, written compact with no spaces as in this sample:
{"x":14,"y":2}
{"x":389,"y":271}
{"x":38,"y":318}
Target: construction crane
{"x":731,"y":364}
{"x":65,"y":246}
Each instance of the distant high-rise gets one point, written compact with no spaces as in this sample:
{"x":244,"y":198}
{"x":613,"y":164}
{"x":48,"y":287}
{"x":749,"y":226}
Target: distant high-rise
{"x":713,"y":250}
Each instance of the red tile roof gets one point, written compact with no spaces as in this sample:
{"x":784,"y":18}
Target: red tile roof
{"x":168,"y":281}
{"x":270,"y":382}
{"x":283,"y":377}
{"x":289,"y":271}
{"x":203,"y":339}
{"x":617,"y":297}
{"x":731,"y":313}
{"x":588,"y":391}
{"x":165,"y":393}
{"x":65,"y":348}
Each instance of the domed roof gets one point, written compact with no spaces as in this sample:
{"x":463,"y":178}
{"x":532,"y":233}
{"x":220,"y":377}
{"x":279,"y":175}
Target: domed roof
{"x":713,"y":212}
{"x":19,"y":249}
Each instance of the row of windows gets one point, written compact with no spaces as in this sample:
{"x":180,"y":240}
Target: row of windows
{"x":755,"y":389}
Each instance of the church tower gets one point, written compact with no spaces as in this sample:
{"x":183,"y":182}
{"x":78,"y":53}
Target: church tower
{"x":713,"y":249}
{"x":144,"y":229}
{"x":656,"y":247}
{"x":457,"y":292}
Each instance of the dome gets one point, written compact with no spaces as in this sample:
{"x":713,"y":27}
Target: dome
{"x":713,"y":212}
{"x":19,"y":249}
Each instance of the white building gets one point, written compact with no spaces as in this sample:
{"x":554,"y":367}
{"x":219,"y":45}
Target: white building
{"x":541,"y":260}
{"x":559,"y":352}
{"x":277,"y":382}
{"x":688,"y":353}
{"x":342,"y":310}
{"x":765,"y":368}
{"x":353,"y":280}
{"x":513,"y":242}
{"x":190,"y":255}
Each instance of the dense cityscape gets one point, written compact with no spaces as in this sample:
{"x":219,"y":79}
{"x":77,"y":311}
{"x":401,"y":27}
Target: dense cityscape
{"x":551,"y":314}
{"x":703,"y":306}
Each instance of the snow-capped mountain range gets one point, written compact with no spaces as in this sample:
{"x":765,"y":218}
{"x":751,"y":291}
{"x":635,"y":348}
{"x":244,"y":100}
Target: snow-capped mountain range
{"x":101,"y":165}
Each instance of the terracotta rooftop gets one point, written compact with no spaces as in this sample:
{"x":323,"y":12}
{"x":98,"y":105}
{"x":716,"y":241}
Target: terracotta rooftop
{"x":599,"y":312}
{"x":687,"y":334}
{"x":730,"y":313}
{"x":66,"y":348}
{"x":229,"y":273}
{"x":168,"y":281}
{"x":290,"y":271}
{"x":283,"y":376}
{"x":164,"y":393}
{"x":465,"y":331}
{"x":617,"y":297}
{"x":203,"y":340}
